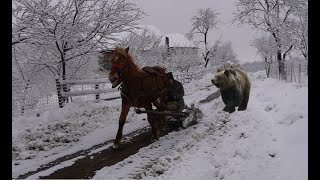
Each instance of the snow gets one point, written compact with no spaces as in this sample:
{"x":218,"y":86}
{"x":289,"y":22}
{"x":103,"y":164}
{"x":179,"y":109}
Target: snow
{"x":177,"y":40}
{"x":59,"y":132}
{"x":267,"y":141}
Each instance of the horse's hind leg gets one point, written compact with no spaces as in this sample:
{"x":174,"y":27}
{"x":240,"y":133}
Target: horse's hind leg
{"x":161,"y":118}
{"x":124,"y":112}
{"x":152,"y":119}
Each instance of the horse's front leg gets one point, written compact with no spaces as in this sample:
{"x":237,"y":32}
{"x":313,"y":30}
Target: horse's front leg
{"x":159,"y":104}
{"x":122,"y":120}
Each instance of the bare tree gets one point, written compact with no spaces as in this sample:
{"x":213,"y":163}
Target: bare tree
{"x":213,"y":50}
{"x":182,"y":59}
{"x":202,"y":23}
{"x":144,"y":44}
{"x":224,"y":53}
{"x":271,"y":16}
{"x":299,"y":26}
{"x":68,"y":32}
{"x":266,"y":48}
{"x":72,"y":29}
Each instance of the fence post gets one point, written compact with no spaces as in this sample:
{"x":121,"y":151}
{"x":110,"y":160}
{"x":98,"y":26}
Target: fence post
{"x":60,"y":98}
{"x":299,"y":73}
{"x":96,"y":86}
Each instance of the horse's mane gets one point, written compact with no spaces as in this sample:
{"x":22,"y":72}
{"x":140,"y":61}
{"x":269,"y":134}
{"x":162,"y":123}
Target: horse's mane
{"x":131,"y":61}
{"x":130,"y":58}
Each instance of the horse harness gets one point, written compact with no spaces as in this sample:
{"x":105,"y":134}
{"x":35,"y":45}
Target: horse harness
{"x":119,"y":68}
{"x":143,"y":91}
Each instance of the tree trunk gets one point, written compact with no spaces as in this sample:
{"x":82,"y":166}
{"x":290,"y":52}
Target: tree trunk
{"x":64,"y":86}
{"x":206,"y":59}
{"x":60,"y":98}
{"x":205,"y":40}
{"x":24,"y":97}
{"x":267,"y":67}
{"x":282,"y":72}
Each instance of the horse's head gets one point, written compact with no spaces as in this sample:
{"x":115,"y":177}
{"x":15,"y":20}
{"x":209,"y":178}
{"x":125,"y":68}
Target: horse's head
{"x":119,"y":63}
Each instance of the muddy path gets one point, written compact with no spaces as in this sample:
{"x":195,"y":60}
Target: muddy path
{"x":85,"y":168}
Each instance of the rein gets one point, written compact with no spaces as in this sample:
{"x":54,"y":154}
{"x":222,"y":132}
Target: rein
{"x":119,"y":68}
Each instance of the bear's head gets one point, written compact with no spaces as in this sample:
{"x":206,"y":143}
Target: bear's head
{"x":224,"y":79}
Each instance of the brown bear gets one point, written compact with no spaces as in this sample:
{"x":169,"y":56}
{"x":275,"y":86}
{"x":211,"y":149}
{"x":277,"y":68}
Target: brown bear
{"x":234,"y":86}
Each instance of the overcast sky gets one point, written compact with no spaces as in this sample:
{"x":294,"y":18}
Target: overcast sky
{"x":174,"y":16}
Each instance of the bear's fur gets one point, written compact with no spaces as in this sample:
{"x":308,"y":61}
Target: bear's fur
{"x":234,"y":86}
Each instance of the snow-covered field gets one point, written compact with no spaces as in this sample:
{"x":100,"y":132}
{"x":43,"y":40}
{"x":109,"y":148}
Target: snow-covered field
{"x":267,"y":141}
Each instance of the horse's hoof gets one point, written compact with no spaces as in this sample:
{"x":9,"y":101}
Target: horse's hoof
{"x":115,"y":146}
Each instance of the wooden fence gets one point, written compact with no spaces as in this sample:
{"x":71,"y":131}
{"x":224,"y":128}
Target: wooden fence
{"x":295,"y":71}
{"x":96,"y":90}
{"x":38,"y":98}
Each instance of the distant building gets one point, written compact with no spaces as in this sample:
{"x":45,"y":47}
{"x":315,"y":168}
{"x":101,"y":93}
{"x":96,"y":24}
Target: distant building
{"x":177,"y":44}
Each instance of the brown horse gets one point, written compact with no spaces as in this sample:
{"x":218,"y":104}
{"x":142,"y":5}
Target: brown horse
{"x":139,"y":88}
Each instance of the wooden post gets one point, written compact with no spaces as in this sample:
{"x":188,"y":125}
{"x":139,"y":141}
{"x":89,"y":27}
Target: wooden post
{"x":96,"y":86}
{"x":60,"y":98}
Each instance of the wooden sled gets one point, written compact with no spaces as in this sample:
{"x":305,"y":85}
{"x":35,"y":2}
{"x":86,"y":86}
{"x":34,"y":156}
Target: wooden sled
{"x":188,"y":117}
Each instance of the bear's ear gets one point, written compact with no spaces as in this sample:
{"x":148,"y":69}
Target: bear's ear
{"x":219,"y":69}
{"x":226,"y":72}
{"x":127,"y":49}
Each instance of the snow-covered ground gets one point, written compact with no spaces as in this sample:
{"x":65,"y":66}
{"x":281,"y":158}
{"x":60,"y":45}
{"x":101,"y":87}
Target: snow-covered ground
{"x":267,"y":141}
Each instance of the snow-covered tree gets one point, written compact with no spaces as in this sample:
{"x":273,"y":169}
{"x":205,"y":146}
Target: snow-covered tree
{"x":205,"y":20}
{"x":298,"y":26}
{"x":183,"y":61}
{"x":212,"y":51}
{"x":69,"y":32}
{"x":272,"y":16}
{"x":224,"y":53}
{"x":267,"y":49}
{"x":144,"y":44}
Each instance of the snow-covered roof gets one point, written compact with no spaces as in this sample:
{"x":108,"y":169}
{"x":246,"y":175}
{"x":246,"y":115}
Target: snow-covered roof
{"x":177,"y":40}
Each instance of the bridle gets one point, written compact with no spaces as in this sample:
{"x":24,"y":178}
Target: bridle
{"x":119,"y":68}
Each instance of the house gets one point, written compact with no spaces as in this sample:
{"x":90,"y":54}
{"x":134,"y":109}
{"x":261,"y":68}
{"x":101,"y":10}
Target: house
{"x":177,"y":50}
{"x":178,"y":45}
